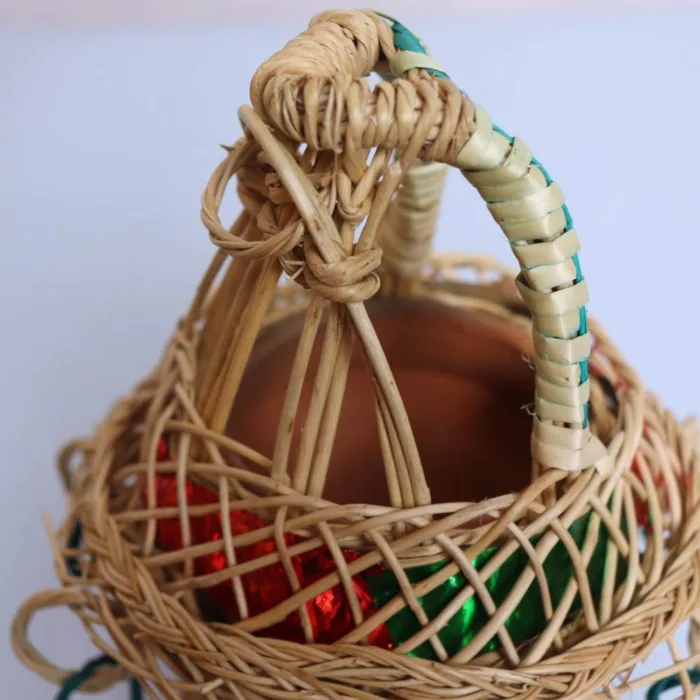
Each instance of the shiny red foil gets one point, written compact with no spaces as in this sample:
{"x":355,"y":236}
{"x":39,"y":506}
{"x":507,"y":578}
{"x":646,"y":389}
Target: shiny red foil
{"x":329,"y":612}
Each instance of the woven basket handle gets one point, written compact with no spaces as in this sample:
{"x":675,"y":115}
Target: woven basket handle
{"x":314,"y":92}
{"x":530,"y":210}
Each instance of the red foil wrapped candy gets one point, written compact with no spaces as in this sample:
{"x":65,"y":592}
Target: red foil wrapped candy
{"x":329,"y":612}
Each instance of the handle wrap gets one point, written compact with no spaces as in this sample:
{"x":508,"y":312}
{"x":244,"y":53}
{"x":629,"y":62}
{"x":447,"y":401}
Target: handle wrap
{"x":529,"y":207}
{"x":314,"y":91}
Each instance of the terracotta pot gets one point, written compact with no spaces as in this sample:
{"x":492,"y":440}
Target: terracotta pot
{"x":464,"y":384}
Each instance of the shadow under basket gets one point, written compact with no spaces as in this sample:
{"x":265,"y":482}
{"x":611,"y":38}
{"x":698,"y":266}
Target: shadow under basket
{"x":463,"y":378}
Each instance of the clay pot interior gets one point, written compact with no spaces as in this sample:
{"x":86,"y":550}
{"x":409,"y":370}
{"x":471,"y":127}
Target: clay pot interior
{"x":464,"y":384}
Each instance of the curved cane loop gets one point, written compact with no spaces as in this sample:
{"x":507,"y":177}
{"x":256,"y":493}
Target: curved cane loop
{"x":27,"y":653}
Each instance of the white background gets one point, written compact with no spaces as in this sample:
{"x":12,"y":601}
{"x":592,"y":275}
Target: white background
{"x":109,"y":125}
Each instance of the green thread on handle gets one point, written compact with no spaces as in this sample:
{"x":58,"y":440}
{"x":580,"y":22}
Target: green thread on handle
{"x":405,"y":40}
{"x":511,"y":140}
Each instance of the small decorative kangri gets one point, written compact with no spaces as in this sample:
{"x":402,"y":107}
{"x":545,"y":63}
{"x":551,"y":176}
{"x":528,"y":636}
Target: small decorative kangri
{"x":364,"y":470}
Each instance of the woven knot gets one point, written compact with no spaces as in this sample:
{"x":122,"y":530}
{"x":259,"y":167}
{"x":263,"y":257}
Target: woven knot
{"x":283,"y":233}
{"x":349,"y":280}
{"x":314,"y":91}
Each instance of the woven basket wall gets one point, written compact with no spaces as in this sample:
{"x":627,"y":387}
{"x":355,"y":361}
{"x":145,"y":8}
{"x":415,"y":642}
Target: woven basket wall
{"x":340,"y":185}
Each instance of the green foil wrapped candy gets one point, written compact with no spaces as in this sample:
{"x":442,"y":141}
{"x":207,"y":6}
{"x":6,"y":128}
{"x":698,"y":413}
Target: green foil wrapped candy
{"x":527,"y":620}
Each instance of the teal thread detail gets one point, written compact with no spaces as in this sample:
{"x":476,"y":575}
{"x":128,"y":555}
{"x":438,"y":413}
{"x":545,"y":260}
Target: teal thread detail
{"x":674,"y":681}
{"x":75,"y":681}
{"x":405,"y":40}
{"x":543,"y":170}
{"x":73,"y":543}
{"x":569,"y":220}
{"x":500,"y":131}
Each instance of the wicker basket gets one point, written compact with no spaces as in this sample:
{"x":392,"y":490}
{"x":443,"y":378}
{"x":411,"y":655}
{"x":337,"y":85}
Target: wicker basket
{"x":293,"y":402}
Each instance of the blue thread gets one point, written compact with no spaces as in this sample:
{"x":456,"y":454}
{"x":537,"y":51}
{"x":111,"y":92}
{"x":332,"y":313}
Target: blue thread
{"x":543,"y":170}
{"x":498,"y":130}
{"x":583,"y":327}
{"x":76,"y":680}
{"x":73,"y":543}
{"x":569,"y":220}
{"x":674,"y":681}
{"x":405,"y":40}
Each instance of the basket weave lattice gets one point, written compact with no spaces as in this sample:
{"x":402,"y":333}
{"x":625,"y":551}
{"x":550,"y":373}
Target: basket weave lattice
{"x":602,"y":448}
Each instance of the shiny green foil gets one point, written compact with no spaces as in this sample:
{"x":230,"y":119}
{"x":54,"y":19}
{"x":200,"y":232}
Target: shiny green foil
{"x":528,"y":619}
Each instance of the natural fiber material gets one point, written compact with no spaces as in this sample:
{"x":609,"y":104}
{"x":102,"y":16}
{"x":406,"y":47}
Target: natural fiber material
{"x":603,"y":450}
